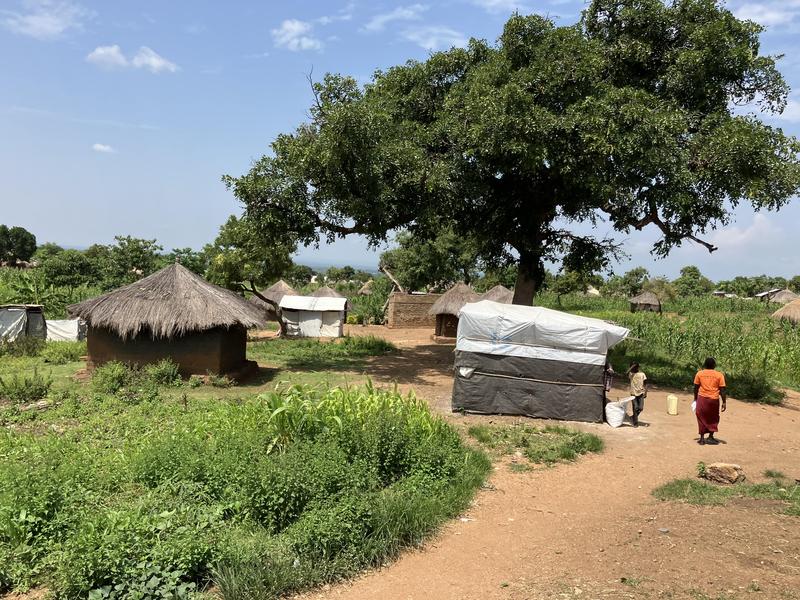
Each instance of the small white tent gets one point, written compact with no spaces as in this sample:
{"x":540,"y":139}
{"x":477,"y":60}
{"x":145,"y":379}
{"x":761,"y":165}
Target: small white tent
{"x":528,"y":360}
{"x":66,"y":330}
{"x":308,"y":316}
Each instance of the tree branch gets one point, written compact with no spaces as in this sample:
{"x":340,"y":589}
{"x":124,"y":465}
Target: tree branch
{"x":653,"y":218}
{"x":275,"y":306}
{"x":390,"y":276}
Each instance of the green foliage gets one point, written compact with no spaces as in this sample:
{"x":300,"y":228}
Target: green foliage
{"x":705,"y":493}
{"x":26,"y":388}
{"x":31,"y":286}
{"x":267,"y":496}
{"x":692,"y":283}
{"x":22,"y":346}
{"x":111,"y":377}
{"x":61,"y":353}
{"x":369,"y":309}
{"x":546,"y":445}
{"x":164,"y":372}
{"x":304,"y":353}
{"x":68,"y":268}
{"x":16,"y":243}
{"x":219,"y":381}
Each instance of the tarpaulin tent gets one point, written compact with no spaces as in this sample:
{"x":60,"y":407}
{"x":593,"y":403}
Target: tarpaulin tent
{"x":307,"y":316}
{"x":528,"y":360}
{"x":66,"y":330}
{"x":21,"y":320}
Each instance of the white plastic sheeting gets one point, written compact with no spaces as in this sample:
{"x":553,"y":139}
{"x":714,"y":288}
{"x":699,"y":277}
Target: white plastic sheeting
{"x":535,"y":332}
{"x":66,"y":330}
{"x":12,"y":322}
{"x":309,"y":316}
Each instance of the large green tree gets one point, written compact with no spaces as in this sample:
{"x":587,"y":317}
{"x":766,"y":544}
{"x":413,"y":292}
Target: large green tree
{"x":692,"y":283}
{"x":16,"y":244}
{"x":525,"y":144}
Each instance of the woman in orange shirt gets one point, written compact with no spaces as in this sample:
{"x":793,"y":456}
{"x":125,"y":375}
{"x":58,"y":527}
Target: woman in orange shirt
{"x":709,"y":388}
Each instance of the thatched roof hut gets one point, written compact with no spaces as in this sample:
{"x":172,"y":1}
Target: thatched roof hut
{"x":646,"y":301}
{"x":275,"y":292}
{"x":499,"y":293}
{"x":329,"y":292}
{"x":366,"y":289}
{"x":447,"y":306}
{"x":174,"y":314}
{"x":789,"y":312}
{"x":783,"y":297}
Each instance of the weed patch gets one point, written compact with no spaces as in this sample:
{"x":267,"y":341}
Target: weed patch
{"x":546,"y":445}
{"x":26,"y":388}
{"x":695,"y":491}
{"x":61,"y":353}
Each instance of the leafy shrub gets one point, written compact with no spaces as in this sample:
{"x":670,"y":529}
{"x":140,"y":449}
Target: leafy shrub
{"x":546,"y":445}
{"x":111,"y":377}
{"x":355,"y":319}
{"x":61,"y":353}
{"x":164,"y":372}
{"x":22,"y":346}
{"x":219,"y":381}
{"x":23,"y":389}
{"x":754,"y":386}
{"x":194,"y":381}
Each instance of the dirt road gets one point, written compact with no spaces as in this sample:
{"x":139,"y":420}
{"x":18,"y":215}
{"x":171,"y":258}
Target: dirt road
{"x":592,"y":529}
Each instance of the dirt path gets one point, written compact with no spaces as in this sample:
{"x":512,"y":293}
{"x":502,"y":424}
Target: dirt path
{"x":578,"y":530}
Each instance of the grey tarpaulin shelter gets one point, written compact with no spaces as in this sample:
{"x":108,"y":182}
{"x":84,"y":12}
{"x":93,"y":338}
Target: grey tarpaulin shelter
{"x":533,"y":361}
{"x":22,"y":320}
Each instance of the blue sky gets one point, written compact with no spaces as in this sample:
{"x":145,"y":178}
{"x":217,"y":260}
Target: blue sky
{"x":120,"y":117}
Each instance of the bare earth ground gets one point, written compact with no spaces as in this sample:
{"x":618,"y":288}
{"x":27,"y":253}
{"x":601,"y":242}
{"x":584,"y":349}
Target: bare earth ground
{"x":578,"y":530}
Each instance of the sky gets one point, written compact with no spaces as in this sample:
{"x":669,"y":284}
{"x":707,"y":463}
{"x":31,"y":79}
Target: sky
{"x":119,"y":118}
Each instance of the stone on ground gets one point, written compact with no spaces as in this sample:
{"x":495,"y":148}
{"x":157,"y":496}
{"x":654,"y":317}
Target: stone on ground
{"x":724,"y":473}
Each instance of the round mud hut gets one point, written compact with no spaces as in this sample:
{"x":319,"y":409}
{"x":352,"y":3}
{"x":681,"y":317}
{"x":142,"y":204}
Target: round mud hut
{"x":789,"y":312}
{"x":783,"y":297}
{"x":446,"y":309}
{"x":173,"y":314}
{"x":499,"y":293}
{"x":275,"y":292}
{"x":645,"y":302}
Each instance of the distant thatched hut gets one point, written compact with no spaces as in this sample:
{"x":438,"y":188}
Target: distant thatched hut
{"x":329,"y":292}
{"x":499,"y":293}
{"x":645,"y":302}
{"x":172,"y":314}
{"x":783,"y":297}
{"x":447,"y":306}
{"x":275,"y":292}
{"x":790,"y":312}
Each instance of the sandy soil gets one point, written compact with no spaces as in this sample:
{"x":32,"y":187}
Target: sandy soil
{"x":592,"y":529}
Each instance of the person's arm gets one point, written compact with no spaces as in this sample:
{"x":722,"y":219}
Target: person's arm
{"x":644,"y":385}
{"x":696,"y":390}
{"x":723,"y":393}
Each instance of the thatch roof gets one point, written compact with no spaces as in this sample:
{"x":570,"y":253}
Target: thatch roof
{"x":499,"y":293}
{"x":783,"y":297}
{"x":274,"y":292}
{"x":646,"y":298}
{"x":366,"y":289}
{"x":789,"y":312}
{"x":168,"y":303}
{"x":326,"y":292}
{"x":453,"y":299}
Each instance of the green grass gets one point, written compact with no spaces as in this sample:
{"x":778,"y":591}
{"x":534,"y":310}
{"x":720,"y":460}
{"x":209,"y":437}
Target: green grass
{"x":546,"y":445}
{"x":695,"y":491}
{"x":316,"y":355}
{"x":145,"y":496}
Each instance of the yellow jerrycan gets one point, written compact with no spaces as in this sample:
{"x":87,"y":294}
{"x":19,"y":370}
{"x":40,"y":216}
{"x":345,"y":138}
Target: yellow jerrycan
{"x":672,"y":404}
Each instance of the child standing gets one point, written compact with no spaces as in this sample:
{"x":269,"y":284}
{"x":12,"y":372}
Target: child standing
{"x":638,"y":390}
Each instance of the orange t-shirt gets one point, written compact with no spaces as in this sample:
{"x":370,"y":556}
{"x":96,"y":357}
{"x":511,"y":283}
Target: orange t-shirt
{"x":709,"y":381}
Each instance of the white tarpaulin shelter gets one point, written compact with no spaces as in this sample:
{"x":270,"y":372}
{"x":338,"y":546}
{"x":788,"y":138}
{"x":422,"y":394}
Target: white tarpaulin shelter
{"x":66,"y":330}
{"x":533,"y":361}
{"x":21,"y":320}
{"x":309,"y":316}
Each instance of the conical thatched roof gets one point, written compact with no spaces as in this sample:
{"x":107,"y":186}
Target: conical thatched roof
{"x":366,"y":289}
{"x":646,"y":298}
{"x":453,"y":299}
{"x":499,"y":293}
{"x":326,"y":292}
{"x":790,"y":312}
{"x":168,"y":303}
{"x":274,"y":292}
{"x":783,"y":297}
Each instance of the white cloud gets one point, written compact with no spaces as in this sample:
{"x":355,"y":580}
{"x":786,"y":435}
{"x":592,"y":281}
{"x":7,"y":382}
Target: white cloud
{"x":45,"y":19}
{"x":108,"y":57}
{"x":147,"y":58}
{"x":296,"y":35}
{"x":111,"y":57}
{"x":103,"y":149}
{"x":345,"y":14}
{"x":435,"y":37}
{"x":401,"y":13}
{"x":771,"y":13}
{"x":501,"y":6}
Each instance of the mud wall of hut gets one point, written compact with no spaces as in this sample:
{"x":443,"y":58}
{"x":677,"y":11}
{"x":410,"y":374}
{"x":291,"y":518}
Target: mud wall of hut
{"x":216,"y":350}
{"x":410,"y":310}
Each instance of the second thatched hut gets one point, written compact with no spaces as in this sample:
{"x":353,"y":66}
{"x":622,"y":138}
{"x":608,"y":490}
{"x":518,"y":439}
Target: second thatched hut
{"x":275,"y":292}
{"x":789,"y":312}
{"x":173,"y":314}
{"x":446,"y":309}
{"x":646,"y":302}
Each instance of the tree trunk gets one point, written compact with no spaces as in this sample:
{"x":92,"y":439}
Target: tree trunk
{"x":530,"y":276}
{"x":275,"y":307}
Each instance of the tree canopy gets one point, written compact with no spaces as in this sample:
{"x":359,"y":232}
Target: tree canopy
{"x":524,"y":144}
{"x":16,"y":244}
